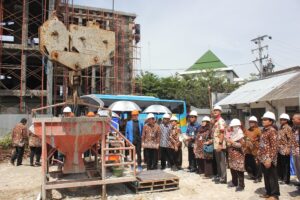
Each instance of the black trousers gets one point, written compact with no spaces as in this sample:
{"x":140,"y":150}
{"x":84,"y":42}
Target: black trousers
{"x":192,"y":159}
{"x":165,"y":156}
{"x":283,"y":168}
{"x":35,"y":151}
{"x":178,"y":158}
{"x":208,"y":167}
{"x":271,"y":180}
{"x":18,"y":154}
{"x":238,"y":178}
{"x":214,"y":165}
{"x":253,"y":168}
{"x":151,"y":156}
{"x":200,"y":165}
{"x":138,"y":151}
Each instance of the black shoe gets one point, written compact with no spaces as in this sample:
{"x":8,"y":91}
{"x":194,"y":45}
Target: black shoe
{"x":239,"y":189}
{"x":174,"y":168}
{"x":192,"y":170}
{"x":37,"y":163}
{"x":12,"y":162}
{"x":162,"y":168}
{"x":230,"y":185}
{"x":19,"y":164}
{"x":297,"y":184}
{"x":31,"y":164}
{"x":222,"y":182}
{"x":257,"y":181}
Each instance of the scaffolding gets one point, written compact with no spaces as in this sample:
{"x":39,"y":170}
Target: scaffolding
{"x":24,"y":71}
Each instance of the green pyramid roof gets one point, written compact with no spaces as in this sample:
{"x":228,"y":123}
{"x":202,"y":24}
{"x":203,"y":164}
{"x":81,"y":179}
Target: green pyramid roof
{"x":208,"y":61}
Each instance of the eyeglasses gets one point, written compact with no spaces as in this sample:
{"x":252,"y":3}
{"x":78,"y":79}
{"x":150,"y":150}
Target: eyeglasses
{"x":192,"y":116}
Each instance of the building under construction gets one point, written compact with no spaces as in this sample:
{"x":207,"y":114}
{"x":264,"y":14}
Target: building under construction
{"x":29,"y":80}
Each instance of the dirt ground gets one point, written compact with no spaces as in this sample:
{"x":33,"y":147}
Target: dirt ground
{"x":23,"y":182}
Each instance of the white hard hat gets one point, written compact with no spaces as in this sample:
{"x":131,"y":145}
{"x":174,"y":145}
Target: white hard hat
{"x":166,"y":115}
{"x":235,"y":122}
{"x":150,"y":115}
{"x":174,"y":118}
{"x":284,"y":116}
{"x":67,"y":110}
{"x":269,"y":115}
{"x":253,"y":119}
{"x":31,"y":129}
{"x":193,"y":113}
{"x":206,"y":119}
{"x":217,"y":107}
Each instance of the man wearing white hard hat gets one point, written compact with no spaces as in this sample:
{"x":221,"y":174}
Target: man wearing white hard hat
{"x":285,"y":144}
{"x":175,"y":144}
{"x":218,"y":131}
{"x":192,"y":130}
{"x":150,"y":141}
{"x":252,"y":137}
{"x":267,"y":156}
{"x":165,"y":152}
{"x":236,"y":156}
{"x":67,"y":112}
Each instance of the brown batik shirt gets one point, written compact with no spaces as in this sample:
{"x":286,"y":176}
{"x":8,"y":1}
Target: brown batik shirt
{"x":34,"y":140}
{"x":202,"y":136}
{"x":284,"y":139}
{"x":174,"y":138}
{"x":268,"y":146}
{"x":19,"y":135}
{"x":295,"y":141}
{"x":151,"y":136}
{"x":252,"y":137}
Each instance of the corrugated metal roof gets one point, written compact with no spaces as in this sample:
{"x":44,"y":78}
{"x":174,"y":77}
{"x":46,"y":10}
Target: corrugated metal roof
{"x":289,"y":90}
{"x":254,"y":91}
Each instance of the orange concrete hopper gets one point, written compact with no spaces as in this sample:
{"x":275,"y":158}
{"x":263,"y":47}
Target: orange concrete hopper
{"x":72,"y":136}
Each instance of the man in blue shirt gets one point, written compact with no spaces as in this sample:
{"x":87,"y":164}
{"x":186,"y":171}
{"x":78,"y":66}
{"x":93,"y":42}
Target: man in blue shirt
{"x":192,"y":130}
{"x":133,"y":133}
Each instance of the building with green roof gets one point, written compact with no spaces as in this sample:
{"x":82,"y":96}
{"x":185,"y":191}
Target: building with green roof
{"x":209,"y":61}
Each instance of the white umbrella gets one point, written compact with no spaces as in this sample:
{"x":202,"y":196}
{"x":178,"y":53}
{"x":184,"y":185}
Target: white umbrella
{"x":124,"y":106}
{"x":157,"y":109}
{"x":92,"y":99}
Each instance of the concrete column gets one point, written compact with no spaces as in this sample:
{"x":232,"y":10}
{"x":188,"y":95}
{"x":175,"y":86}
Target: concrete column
{"x":93,"y":82}
{"x":50,"y":68}
{"x":23,"y":55}
{"x":107,"y":80}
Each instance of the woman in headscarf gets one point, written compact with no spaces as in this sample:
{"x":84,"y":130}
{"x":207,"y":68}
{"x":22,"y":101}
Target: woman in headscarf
{"x":236,"y":156}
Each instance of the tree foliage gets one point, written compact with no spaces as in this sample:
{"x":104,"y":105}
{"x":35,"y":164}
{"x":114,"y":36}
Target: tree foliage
{"x":192,"y":89}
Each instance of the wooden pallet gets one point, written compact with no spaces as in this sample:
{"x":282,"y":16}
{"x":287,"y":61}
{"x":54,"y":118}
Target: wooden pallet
{"x":154,"y":181}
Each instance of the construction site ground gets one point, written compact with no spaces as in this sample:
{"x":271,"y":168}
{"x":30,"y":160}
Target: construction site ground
{"x":24,"y":182}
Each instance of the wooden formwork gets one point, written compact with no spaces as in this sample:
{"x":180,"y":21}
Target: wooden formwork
{"x":154,"y":181}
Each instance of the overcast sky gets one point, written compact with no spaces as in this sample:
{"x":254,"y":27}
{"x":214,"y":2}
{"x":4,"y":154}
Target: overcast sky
{"x":175,"y":33}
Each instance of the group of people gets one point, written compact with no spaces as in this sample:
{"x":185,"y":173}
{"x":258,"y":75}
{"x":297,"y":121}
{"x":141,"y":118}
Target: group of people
{"x":213,"y":146}
{"x":159,"y":142}
{"x":21,"y":136}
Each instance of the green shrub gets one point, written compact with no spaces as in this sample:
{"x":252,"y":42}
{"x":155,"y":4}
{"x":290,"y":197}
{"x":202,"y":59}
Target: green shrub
{"x":6,"y":141}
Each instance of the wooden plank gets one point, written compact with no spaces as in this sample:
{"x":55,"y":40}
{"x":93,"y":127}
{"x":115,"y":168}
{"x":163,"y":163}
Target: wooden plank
{"x":84,"y":183}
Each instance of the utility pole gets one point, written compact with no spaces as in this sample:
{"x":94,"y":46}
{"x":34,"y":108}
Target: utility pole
{"x":261,"y":57}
